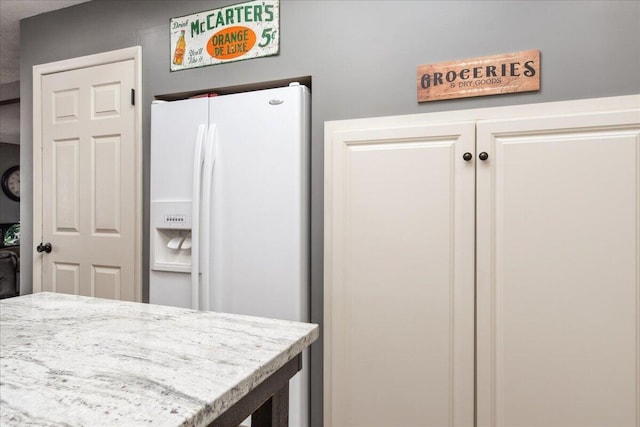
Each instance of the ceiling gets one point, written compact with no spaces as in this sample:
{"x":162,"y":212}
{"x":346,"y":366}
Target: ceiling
{"x":11,"y":12}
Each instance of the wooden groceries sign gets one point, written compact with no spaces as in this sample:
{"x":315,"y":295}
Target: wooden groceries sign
{"x":233,"y":33}
{"x":488,"y":75}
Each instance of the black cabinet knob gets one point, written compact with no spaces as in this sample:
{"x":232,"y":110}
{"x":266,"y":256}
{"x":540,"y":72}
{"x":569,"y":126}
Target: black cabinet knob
{"x":483,"y":156}
{"x":467,"y":156}
{"x":44,"y":248}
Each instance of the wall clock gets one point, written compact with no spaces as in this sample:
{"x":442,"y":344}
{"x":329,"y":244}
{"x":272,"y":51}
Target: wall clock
{"x":11,"y":183}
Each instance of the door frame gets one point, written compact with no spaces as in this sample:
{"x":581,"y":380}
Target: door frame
{"x":39,"y":71}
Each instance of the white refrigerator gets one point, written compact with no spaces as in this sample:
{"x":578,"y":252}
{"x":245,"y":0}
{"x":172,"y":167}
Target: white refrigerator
{"x":229,"y":224}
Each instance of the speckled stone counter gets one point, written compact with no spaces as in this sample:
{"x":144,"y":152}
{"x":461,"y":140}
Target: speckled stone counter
{"x":70,"y":360}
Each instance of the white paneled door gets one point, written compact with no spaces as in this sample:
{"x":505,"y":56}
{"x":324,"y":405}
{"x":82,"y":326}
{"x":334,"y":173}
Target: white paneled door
{"x":89,"y":200}
{"x":558,"y":285}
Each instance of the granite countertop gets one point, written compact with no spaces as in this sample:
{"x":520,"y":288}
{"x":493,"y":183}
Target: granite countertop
{"x":76,"y":360}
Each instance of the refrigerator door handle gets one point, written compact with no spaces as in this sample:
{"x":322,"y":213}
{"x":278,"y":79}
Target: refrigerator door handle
{"x":205,"y":229}
{"x":195,"y":219}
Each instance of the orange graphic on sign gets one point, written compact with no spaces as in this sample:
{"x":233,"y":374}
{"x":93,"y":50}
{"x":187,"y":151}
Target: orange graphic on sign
{"x":231,"y":42}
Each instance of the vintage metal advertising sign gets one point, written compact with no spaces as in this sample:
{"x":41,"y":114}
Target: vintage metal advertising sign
{"x":233,"y":33}
{"x":488,"y":75}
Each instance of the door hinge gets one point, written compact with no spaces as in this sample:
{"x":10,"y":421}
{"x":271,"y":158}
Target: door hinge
{"x":133,"y":97}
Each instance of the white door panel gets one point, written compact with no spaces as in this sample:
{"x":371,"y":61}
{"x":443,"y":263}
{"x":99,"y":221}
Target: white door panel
{"x":88,"y":181}
{"x":558,"y":271}
{"x":260,"y":207}
{"x":399,"y":277}
{"x":174,"y":127}
{"x":260,"y":204}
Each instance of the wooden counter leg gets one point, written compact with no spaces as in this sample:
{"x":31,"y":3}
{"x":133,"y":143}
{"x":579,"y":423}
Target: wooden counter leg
{"x":274,"y":412}
{"x":268,"y":403}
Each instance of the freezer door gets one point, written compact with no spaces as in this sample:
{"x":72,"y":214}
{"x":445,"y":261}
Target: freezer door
{"x":174,"y":126}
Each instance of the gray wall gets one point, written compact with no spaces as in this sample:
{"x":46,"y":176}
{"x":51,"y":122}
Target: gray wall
{"x":362,"y":56}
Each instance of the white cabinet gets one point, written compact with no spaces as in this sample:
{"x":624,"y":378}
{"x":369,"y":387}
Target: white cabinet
{"x":497,"y":292}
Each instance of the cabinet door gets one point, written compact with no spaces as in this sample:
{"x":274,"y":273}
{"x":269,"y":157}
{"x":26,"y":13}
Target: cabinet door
{"x":558,"y":271}
{"x":399,"y":277}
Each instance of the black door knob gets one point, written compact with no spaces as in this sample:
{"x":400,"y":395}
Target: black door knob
{"x":483,"y":156}
{"x":44,"y":247}
{"x":467,"y":156}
